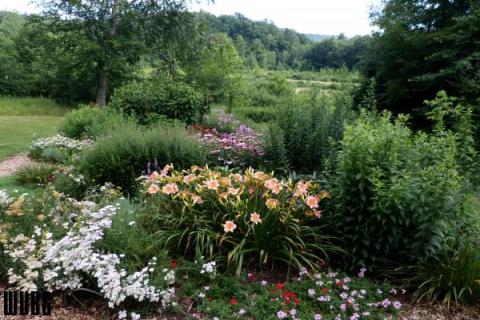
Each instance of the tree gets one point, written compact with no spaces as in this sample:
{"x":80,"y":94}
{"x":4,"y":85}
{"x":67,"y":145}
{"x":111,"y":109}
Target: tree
{"x":117,"y":31}
{"x":216,"y":68}
{"x":424,"y":46}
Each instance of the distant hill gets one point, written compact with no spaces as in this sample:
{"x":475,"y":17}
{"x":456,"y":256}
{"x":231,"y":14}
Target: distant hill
{"x":260,"y":43}
{"x":317,"y":37}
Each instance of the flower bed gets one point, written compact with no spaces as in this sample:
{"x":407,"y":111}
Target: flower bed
{"x":236,"y":217}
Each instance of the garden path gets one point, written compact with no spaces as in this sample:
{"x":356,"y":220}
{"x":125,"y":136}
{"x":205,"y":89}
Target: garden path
{"x":11,"y":165}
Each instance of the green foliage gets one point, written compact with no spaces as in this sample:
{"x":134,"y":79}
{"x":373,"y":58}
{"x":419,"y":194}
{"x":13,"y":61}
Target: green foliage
{"x":396,"y":191}
{"x":424,"y":47}
{"x":310,"y":125}
{"x":216,"y":69}
{"x":260,"y":43}
{"x":274,"y":148}
{"x":38,"y":174}
{"x":173,"y":99}
{"x":337,"y":52}
{"x":257,"y":114}
{"x":448,"y":114}
{"x":122,"y":155}
{"x":90,"y":122}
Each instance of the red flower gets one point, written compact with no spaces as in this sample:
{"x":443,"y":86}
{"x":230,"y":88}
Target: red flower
{"x":325,"y":290}
{"x":279,"y":285}
{"x":296,"y":301}
{"x":173,"y":264}
{"x":339,"y":284}
{"x":233,"y":300}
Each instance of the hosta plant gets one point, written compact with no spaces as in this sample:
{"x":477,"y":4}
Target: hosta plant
{"x":237,"y":218}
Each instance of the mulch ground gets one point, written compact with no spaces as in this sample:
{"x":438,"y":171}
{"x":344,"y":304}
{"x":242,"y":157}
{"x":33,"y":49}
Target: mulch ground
{"x":70,"y":308}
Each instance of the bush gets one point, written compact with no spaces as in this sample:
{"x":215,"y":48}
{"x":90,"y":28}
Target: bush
{"x":257,"y":114}
{"x":89,"y":122}
{"x":397,"y":191}
{"x":310,"y":126}
{"x":121,"y":156}
{"x":274,"y":149}
{"x":175,"y":100}
{"x":236,"y":218}
{"x":453,"y":274}
{"x":57,"y":149}
{"x":38,"y":173}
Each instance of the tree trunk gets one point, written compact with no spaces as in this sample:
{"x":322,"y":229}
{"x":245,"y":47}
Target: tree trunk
{"x":102,"y":86}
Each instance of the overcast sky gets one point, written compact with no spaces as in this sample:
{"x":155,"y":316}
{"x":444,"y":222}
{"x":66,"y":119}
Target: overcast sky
{"x":329,"y":17}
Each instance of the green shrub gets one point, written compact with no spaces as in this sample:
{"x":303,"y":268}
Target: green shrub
{"x":310,"y":126}
{"x":396,"y":190}
{"x":274,"y":149}
{"x":175,"y":100}
{"x":257,"y":114}
{"x":38,"y":173}
{"x":453,"y":274}
{"x":122,"y":155}
{"x":238,"y":219}
{"x":90,"y":122}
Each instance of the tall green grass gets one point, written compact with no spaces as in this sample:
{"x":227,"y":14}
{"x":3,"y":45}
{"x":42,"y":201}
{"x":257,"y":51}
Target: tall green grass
{"x":29,"y":106}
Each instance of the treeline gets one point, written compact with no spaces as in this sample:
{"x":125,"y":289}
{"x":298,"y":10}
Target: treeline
{"x":262,"y":44}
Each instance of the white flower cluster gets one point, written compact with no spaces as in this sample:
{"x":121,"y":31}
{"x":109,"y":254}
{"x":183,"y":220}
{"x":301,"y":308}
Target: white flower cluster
{"x":60,"y":141}
{"x":5,"y":199}
{"x":210,"y":269}
{"x":62,"y":263}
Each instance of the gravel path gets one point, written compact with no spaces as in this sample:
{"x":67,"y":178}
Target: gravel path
{"x":11,"y":165}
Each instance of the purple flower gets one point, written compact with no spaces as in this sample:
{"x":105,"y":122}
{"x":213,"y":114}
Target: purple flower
{"x":361,"y":274}
{"x":281,"y":314}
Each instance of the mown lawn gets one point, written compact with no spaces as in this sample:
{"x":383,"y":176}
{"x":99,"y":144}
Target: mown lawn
{"x":22,"y":118}
{"x":16,"y":132}
{"x":10,"y":185}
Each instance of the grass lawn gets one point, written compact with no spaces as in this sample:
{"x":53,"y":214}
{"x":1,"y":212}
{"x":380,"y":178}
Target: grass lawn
{"x":29,"y":106}
{"x":16,"y":132}
{"x":11,"y":186}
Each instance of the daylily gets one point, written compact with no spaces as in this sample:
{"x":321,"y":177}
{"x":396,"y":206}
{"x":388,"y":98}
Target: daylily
{"x":229,"y":226}
{"x":153,"y":189}
{"x":255,"y":218}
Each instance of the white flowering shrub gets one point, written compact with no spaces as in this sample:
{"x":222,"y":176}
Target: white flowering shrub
{"x":41,"y":261}
{"x":57,"y":148}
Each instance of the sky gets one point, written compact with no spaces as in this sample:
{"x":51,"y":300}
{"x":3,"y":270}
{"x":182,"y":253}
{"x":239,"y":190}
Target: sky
{"x":330,"y":17}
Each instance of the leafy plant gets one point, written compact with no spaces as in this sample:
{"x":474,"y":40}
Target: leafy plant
{"x":396,"y":191}
{"x":121,"y":156}
{"x":90,"y":122}
{"x":38,"y":173}
{"x":310,"y":125}
{"x":238,"y":218}
{"x":173,"y":99}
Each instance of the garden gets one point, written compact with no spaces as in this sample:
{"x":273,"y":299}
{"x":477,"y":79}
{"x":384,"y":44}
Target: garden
{"x":320,"y":211}
{"x":157,"y":163}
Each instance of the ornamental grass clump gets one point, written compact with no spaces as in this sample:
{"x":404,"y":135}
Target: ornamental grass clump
{"x":236,"y":218}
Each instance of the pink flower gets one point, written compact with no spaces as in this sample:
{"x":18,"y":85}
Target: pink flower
{"x":255,"y":218}
{"x":170,"y":188}
{"x":229,"y":226}
{"x":153,"y":189}
{"x":312,"y":202}
{"x":212,"y":184}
